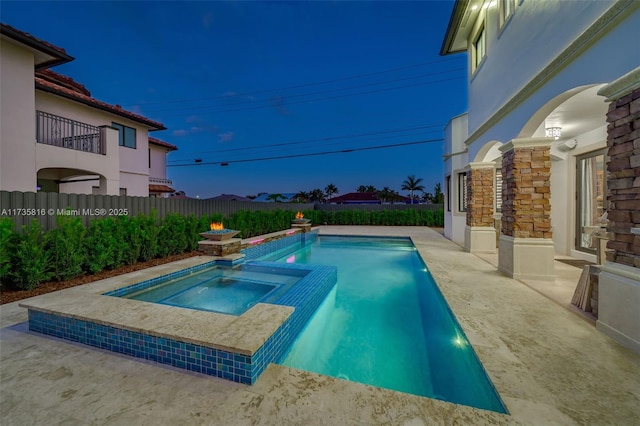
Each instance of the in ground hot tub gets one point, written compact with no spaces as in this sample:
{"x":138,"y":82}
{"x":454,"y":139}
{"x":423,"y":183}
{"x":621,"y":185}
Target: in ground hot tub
{"x":217,"y":289}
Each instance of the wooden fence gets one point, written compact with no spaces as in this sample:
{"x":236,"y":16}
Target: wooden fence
{"x":23,"y":207}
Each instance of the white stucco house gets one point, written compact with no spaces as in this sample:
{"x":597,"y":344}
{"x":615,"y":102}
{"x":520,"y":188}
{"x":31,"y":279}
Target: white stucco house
{"x":550,"y":142}
{"x":55,"y":137}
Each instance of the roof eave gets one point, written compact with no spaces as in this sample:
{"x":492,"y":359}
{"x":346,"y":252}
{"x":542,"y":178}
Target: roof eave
{"x":152,"y":126}
{"x":454,"y":24}
{"x":59,"y":57}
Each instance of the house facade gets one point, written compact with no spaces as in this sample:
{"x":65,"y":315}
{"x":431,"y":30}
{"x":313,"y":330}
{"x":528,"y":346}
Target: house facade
{"x":55,"y":137}
{"x":548,"y":151}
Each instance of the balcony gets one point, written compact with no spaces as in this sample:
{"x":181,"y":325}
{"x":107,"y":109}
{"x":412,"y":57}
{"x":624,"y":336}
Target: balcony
{"x":160,"y":181}
{"x":66,"y":133}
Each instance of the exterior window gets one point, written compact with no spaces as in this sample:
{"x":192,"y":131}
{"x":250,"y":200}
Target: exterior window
{"x":498,"y":195}
{"x":123,"y":191}
{"x":506,"y":10}
{"x":462,"y":192}
{"x":448,"y":192}
{"x":592,"y":189}
{"x":95,"y":190}
{"x":127,"y":135}
{"x":479,"y":48}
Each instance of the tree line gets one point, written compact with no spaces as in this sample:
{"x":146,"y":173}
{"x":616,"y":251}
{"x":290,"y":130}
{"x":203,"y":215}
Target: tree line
{"x":387,"y":195}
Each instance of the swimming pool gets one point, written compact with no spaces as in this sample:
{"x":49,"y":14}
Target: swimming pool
{"x":386,"y":324}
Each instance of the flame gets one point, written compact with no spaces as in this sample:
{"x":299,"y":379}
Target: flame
{"x":216,"y":226}
{"x":299,"y":215}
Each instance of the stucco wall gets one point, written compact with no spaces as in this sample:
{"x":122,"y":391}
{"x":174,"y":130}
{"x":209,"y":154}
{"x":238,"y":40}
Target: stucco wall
{"x":158,"y":167}
{"x":545,"y":28}
{"x":17,"y":119}
{"x":132,"y":164}
{"x":602,"y":62}
{"x":455,"y":135}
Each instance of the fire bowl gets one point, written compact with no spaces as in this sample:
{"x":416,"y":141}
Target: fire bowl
{"x":222,"y":235}
{"x":301,"y":221}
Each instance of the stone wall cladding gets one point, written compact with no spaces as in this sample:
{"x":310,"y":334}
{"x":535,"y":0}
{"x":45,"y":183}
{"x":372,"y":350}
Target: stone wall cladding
{"x":623,"y":141}
{"x":526,"y":194}
{"x":480,"y":197}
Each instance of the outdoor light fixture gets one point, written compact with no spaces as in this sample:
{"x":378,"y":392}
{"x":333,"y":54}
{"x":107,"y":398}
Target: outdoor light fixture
{"x":553,"y":132}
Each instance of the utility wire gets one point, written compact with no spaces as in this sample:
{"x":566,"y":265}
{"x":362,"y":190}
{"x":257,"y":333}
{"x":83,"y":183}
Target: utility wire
{"x":354,"y":135}
{"x":188,"y":110}
{"x":377,"y":83}
{"x":312,"y":154}
{"x":351,"y":77}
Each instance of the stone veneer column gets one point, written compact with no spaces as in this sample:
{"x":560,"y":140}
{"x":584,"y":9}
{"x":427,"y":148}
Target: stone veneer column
{"x":525,"y":247}
{"x":479,"y":232}
{"x":619,"y":281}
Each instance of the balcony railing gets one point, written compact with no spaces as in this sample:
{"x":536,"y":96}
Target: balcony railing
{"x":160,"y":181}
{"x":66,"y":133}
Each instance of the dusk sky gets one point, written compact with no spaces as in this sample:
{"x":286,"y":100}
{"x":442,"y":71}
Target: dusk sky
{"x":236,"y":82}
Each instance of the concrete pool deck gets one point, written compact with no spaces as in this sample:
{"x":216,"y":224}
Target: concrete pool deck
{"x":549,"y":365}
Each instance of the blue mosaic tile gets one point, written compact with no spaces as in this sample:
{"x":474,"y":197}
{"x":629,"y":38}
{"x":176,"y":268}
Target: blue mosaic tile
{"x":305,"y":296}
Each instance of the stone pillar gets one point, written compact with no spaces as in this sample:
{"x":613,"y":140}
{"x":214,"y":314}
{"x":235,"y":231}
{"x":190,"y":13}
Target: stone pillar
{"x":525,"y":247}
{"x":619,"y":282}
{"x":479,"y":232}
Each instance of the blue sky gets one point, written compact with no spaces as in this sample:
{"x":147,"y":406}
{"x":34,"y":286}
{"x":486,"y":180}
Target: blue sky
{"x":239,"y":81}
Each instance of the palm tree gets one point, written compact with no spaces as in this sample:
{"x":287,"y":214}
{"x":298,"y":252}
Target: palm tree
{"x":385,"y":194}
{"x":331,"y":190}
{"x":367,"y":188}
{"x":438,"y":196}
{"x":301,"y":197}
{"x":317,"y":196}
{"x":276,"y":198}
{"x":412,"y":184}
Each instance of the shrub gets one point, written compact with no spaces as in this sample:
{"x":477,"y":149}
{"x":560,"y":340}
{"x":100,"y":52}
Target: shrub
{"x":31,"y":260}
{"x":63,"y":244}
{"x":7,"y":246}
{"x":103,"y":245}
{"x":149,"y":230}
{"x":172,"y":237}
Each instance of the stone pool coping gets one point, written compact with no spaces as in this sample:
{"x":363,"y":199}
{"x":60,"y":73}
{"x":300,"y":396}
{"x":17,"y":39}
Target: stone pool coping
{"x":243,"y":334}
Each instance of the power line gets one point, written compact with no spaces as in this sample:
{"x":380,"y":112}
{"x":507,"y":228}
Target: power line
{"x":188,"y":110}
{"x":377,"y":83}
{"x":351,"y":77}
{"x":355,"y":135}
{"x":312,"y":154}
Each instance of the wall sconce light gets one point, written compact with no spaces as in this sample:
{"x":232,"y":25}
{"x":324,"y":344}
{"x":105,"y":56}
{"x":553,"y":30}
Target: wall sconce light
{"x":553,"y":132}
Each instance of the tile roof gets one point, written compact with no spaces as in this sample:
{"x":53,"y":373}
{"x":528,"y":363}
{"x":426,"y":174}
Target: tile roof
{"x":160,"y":188}
{"x":74,"y":94}
{"x":59,"y":55}
{"x":63,"y":80}
{"x":230,"y":197}
{"x":356,"y":196}
{"x":163,"y":143}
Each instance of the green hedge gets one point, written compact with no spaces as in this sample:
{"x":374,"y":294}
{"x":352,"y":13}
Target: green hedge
{"x":32,"y":256}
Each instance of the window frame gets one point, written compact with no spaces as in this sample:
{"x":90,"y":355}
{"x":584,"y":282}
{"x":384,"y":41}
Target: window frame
{"x":447,"y":189}
{"x":507,"y":9}
{"x":476,"y":58}
{"x":122,"y":135}
{"x":462,"y":192}
{"x":580,"y":194}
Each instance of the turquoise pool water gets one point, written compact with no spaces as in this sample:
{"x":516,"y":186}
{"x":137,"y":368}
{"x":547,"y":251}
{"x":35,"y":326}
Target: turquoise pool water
{"x":225,"y":290}
{"x":386,"y":324}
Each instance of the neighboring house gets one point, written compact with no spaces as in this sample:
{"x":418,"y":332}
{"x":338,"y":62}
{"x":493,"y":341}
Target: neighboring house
{"x":55,"y":137}
{"x":287,"y":197}
{"x":230,"y":197}
{"x":159,"y":185}
{"x":357,"y":198}
{"x":550,"y":142}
